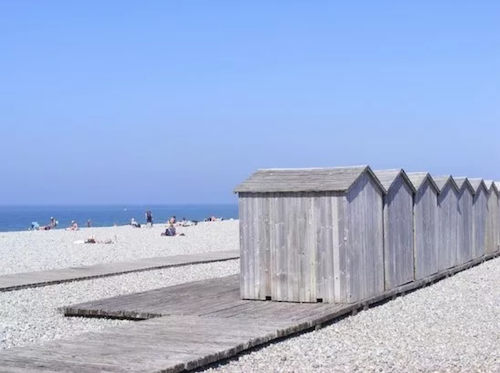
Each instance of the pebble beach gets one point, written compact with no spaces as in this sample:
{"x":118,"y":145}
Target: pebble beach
{"x":451,"y":326}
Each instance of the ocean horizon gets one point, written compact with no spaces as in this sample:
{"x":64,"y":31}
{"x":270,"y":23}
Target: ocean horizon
{"x":20,"y":217}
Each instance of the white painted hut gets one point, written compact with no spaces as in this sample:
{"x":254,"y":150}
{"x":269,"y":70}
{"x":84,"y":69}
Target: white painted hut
{"x":466,"y":220}
{"x":480,"y":212}
{"x":425,"y":220}
{"x":310,"y":235}
{"x":493,"y":223}
{"x":398,"y":227}
{"x":448,"y":213}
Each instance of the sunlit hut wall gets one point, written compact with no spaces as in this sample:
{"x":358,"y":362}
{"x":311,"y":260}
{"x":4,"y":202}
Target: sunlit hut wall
{"x":425,"y":218}
{"x":448,"y":213}
{"x":309,"y":235}
{"x":492,"y":224}
{"x":480,"y":217}
{"x":398,"y":227}
{"x":466,"y":221}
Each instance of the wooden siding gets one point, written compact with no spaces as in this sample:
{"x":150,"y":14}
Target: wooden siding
{"x":426,"y":230}
{"x":305,"y":247}
{"x":344,"y":246}
{"x":287,"y":246}
{"x":448,"y":226}
{"x":492,"y":225}
{"x":398,"y":234}
{"x":362,"y":243}
{"x":466,"y":225}
{"x":480,"y":212}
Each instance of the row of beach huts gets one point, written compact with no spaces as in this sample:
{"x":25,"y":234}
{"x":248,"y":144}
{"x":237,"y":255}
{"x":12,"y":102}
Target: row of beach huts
{"x":341,"y":235}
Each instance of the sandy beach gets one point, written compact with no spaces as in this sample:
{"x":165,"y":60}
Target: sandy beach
{"x":452,"y":326}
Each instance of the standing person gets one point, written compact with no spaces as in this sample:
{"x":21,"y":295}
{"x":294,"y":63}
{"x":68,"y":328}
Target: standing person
{"x":89,"y":223}
{"x":149,"y":218}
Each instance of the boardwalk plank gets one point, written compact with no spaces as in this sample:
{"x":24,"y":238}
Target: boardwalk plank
{"x":19,"y":281}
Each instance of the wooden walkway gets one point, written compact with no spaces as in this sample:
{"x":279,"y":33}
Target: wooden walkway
{"x":19,"y":281}
{"x":189,"y":326}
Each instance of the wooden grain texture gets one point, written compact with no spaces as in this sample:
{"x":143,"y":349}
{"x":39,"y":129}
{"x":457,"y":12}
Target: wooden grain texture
{"x":18,"y":281}
{"x":480,"y":219}
{"x":448,"y":213}
{"x":465,"y":251}
{"x":398,"y":233}
{"x":363,"y":243}
{"x":425,"y":229}
{"x":493,"y":223}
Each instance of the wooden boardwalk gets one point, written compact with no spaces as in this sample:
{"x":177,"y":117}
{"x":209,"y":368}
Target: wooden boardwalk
{"x":19,"y":281}
{"x":188,"y":326}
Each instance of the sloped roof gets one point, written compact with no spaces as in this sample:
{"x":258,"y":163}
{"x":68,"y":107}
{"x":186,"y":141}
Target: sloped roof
{"x":463,"y":182}
{"x":389,"y":176}
{"x":491,"y":186}
{"x":478,"y":184}
{"x":419,"y":178}
{"x":441,"y":182}
{"x":339,"y":179}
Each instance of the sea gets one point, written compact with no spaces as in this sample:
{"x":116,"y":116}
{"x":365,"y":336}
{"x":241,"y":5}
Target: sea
{"x":20,"y":218}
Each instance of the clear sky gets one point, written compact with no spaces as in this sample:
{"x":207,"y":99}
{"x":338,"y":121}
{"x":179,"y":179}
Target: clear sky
{"x":179,"y":101}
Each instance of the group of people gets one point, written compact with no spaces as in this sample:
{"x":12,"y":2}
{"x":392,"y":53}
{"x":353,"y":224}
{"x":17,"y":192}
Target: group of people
{"x":169,"y":231}
{"x":53,"y":224}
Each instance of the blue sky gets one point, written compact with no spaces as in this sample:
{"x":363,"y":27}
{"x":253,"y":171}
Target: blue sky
{"x":179,"y":101}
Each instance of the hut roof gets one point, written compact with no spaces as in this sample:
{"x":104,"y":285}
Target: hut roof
{"x":478,"y":184}
{"x":338,"y":179}
{"x":490,"y":185}
{"x":419,"y":178}
{"x":441,"y":182}
{"x":388,"y":177}
{"x":463,"y":182}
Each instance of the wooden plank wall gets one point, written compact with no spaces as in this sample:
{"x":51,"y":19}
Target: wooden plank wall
{"x":363,"y":240}
{"x":425,"y":231}
{"x":480,"y":213}
{"x":333,"y":247}
{"x":466,"y":226}
{"x":448,"y":227}
{"x":287,"y":246}
{"x":398,"y":235}
{"x":492,"y":226}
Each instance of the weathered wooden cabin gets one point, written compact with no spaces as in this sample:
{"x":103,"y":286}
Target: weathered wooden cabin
{"x":398,"y":227}
{"x":480,"y":212}
{"x":493,"y":223}
{"x":448,"y":213}
{"x":425,"y":222}
{"x":311,"y":235}
{"x":466,"y":220}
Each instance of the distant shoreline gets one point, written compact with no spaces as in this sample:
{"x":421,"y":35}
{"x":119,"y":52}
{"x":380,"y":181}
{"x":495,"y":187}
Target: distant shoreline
{"x":19,"y":218}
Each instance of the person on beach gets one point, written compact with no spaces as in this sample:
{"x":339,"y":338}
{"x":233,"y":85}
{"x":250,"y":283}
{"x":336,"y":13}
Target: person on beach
{"x":92,"y":239}
{"x":73,"y":226}
{"x":172,"y":220}
{"x":170,"y":231}
{"x":134,"y":223}
{"x":149,"y":218}
{"x":51,"y":225}
{"x":89,"y":223}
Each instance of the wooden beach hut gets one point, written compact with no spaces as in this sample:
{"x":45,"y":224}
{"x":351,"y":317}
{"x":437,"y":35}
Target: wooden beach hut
{"x":480,"y":213}
{"x":448,"y":213}
{"x":398,"y":227}
{"x":466,"y":220}
{"x":493,"y":223}
{"x":425,"y":222}
{"x":311,"y":235}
